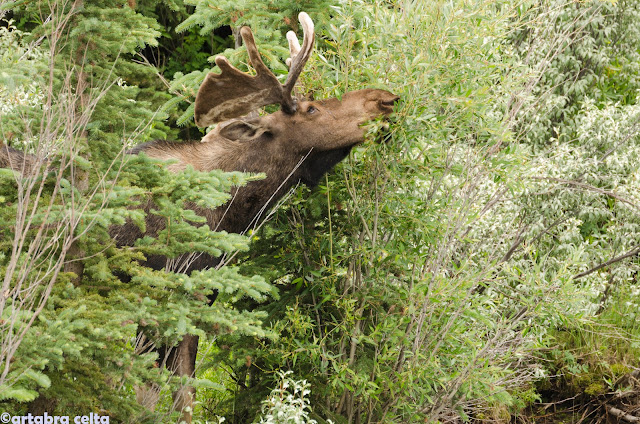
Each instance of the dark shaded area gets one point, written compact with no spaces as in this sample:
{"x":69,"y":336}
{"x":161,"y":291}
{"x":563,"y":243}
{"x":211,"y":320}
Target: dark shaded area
{"x":4,"y":18}
{"x":183,"y":52}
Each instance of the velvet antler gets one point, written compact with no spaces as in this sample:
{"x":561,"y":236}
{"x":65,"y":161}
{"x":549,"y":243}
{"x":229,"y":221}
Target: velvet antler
{"x":234,"y":93}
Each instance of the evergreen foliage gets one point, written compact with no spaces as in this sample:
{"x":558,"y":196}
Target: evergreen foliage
{"x":78,"y":349}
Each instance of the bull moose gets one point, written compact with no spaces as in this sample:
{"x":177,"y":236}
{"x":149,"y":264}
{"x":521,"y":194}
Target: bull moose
{"x":299,"y":143}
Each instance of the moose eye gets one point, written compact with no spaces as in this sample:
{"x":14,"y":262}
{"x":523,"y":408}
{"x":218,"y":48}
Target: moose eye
{"x":311,"y":110}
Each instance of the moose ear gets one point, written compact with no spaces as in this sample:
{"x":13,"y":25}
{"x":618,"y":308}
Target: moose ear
{"x":242,"y":131}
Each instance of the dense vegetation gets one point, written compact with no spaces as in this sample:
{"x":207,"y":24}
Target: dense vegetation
{"x":481,"y":261}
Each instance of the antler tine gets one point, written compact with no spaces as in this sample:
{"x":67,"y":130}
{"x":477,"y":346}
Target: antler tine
{"x":294,"y":47}
{"x":234,"y":93}
{"x":252,"y":50}
{"x":299,"y":55}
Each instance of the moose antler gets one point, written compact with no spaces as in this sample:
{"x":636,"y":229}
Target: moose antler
{"x":234,"y":93}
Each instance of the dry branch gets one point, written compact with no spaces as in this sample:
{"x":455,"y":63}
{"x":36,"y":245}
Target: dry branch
{"x":621,"y":415}
{"x":633,"y":252}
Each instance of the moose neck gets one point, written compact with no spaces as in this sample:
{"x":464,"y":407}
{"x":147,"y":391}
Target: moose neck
{"x":250,"y":204}
{"x":283,"y":169}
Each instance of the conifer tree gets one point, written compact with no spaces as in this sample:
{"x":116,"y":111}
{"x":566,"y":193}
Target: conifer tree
{"x":74,"y":344}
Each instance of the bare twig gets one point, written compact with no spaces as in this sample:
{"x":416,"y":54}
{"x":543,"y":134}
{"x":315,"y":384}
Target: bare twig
{"x":589,"y":187}
{"x":633,"y":252}
{"x":621,"y":415}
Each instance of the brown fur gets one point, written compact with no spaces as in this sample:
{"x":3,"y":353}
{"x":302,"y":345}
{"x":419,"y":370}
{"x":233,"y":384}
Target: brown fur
{"x":16,"y":160}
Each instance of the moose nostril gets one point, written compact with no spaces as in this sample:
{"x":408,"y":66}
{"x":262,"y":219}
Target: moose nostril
{"x":390,"y":102}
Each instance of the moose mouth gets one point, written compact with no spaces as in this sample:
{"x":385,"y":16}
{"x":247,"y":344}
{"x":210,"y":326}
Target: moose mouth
{"x":386,"y":106}
{"x":384,"y":133}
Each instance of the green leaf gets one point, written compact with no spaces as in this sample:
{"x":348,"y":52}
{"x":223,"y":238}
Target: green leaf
{"x":19,"y":394}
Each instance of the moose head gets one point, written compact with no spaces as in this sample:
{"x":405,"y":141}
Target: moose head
{"x":299,"y":143}
{"x":233,"y":93}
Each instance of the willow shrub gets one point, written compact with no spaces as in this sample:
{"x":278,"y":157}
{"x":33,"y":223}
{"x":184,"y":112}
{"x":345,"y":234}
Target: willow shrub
{"x":578,"y":211}
{"x":391,"y":305}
